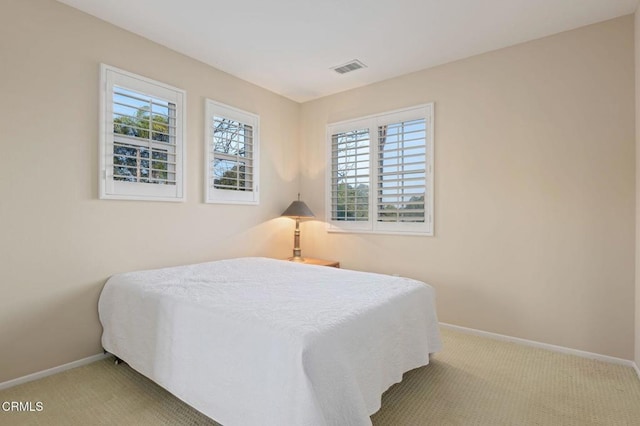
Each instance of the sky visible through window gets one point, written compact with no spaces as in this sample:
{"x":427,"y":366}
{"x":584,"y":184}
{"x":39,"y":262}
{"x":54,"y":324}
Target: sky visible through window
{"x":232,"y":164}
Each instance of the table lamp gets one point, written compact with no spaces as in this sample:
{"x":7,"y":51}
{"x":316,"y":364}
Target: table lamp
{"x":297,"y":210}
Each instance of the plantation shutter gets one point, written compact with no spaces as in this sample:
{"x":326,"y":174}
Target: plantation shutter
{"x":232,"y":155}
{"x":402,"y":166}
{"x":144,"y":138}
{"x":350,"y":175}
{"x":381,"y":173}
{"x":142,"y":133}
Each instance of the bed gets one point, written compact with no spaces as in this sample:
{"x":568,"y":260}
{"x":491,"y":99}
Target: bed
{"x":256,"y":341}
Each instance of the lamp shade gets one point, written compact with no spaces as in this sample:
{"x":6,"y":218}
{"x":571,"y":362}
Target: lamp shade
{"x":298,"y":209}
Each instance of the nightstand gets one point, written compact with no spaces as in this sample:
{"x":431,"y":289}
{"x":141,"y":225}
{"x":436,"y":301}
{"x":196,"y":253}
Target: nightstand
{"x":321,"y":262}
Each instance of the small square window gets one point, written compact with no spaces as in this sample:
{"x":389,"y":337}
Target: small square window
{"x":141,"y":138}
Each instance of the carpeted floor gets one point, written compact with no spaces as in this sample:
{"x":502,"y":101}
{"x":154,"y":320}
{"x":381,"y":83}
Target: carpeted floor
{"x":474,"y":381}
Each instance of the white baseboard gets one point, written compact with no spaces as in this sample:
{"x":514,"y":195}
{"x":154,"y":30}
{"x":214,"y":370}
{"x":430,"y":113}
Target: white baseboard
{"x":41,"y":374}
{"x":554,"y":348}
{"x":50,"y":371}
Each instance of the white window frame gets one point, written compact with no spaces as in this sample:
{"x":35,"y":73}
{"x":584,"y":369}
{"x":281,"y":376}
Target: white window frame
{"x":229,"y":196}
{"x":372,"y":122}
{"x":111,"y":189}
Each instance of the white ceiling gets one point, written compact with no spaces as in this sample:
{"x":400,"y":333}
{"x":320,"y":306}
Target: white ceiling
{"x":289,"y":46}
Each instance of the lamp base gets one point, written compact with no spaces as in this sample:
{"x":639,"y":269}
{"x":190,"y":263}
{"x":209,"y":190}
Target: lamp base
{"x":298,"y":259}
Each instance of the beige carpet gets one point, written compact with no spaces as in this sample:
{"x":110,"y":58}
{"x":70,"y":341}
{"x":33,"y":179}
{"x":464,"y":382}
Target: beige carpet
{"x":474,"y":381}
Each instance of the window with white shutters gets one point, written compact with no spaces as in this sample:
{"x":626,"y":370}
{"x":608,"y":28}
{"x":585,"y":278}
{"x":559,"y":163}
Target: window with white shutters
{"x":231,"y":155}
{"x":141,"y":143}
{"x":381,"y":175}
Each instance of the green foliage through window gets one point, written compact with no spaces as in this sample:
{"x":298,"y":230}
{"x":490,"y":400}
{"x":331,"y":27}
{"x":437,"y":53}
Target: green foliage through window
{"x":143,"y":137}
{"x":350,"y":183}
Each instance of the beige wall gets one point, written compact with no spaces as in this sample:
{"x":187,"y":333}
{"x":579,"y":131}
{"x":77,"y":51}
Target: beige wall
{"x":637,"y":92}
{"x":534,"y":185}
{"x":58,"y":242}
{"x":535,"y":188}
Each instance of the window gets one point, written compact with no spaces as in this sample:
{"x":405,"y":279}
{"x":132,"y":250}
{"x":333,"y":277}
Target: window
{"x":381,"y":176}
{"x":141,"y":138}
{"x":231,"y":152}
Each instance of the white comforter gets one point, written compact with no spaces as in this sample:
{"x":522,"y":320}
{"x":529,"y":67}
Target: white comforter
{"x":256,"y":341}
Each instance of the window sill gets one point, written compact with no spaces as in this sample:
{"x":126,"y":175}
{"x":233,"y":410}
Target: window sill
{"x":367,"y":231}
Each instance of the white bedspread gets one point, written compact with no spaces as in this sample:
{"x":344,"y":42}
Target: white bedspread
{"x":256,"y":341}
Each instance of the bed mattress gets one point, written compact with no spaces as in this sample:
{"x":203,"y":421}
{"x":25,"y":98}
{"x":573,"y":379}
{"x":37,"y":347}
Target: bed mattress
{"x":256,"y":341}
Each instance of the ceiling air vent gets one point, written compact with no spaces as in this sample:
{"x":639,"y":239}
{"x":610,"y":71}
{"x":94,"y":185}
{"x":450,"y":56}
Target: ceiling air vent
{"x":349,"y":66}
